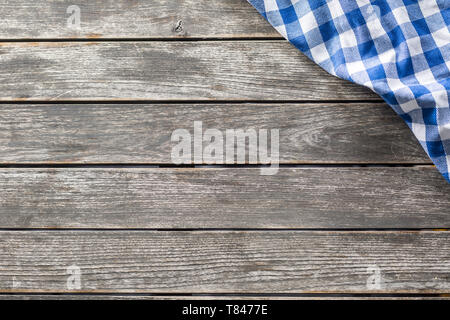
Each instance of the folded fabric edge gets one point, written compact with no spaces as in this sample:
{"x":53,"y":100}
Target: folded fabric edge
{"x":441,"y":164}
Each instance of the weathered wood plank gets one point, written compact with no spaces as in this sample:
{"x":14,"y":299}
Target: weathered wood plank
{"x":317,"y":133}
{"x":224,"y":198}
{"x":203,"y":297}
{"x":47,"y":19}
{"x":225,"y":262}
{"x":228,"y":70}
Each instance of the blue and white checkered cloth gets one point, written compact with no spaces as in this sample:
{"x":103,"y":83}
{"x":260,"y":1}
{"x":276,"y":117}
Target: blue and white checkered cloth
{"x":398,"y":48}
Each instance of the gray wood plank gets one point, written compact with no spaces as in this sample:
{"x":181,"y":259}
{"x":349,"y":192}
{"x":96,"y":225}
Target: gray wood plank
{"x":225,"y":262}
{"x":225,"y":70}
{"x":204,"y":297}
{"x":399,"y":197}
{"x":47,"y":19}
{"x":309,"y":133}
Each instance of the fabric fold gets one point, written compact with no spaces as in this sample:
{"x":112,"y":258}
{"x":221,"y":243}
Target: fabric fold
{"x":400,"y":49}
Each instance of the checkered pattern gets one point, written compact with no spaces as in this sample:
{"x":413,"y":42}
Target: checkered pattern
{"x":398,"y":48}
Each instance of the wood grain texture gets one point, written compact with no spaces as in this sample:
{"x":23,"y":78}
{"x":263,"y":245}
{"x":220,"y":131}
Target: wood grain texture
{"x":226,"y":262}
{"x":47,"y":19}
{"x":66,"y":296}
{"x":225,"y":70}
{"x":311,"y":133}
{"x":162,"y":263}
{"x":224,"y":198}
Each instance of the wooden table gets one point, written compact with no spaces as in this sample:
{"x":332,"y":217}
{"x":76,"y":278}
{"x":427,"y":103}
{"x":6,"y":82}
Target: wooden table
{"x":91,"y":204}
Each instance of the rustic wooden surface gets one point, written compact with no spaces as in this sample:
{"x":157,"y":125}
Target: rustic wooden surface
{"x":223,"y":198}
{"x":300,"y":297}
{"x":226,"y":261}
{"x":309,"y":133}
{"x":218,"y":70}
{"x":135,"y":19}
{"x":86,"y":177}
